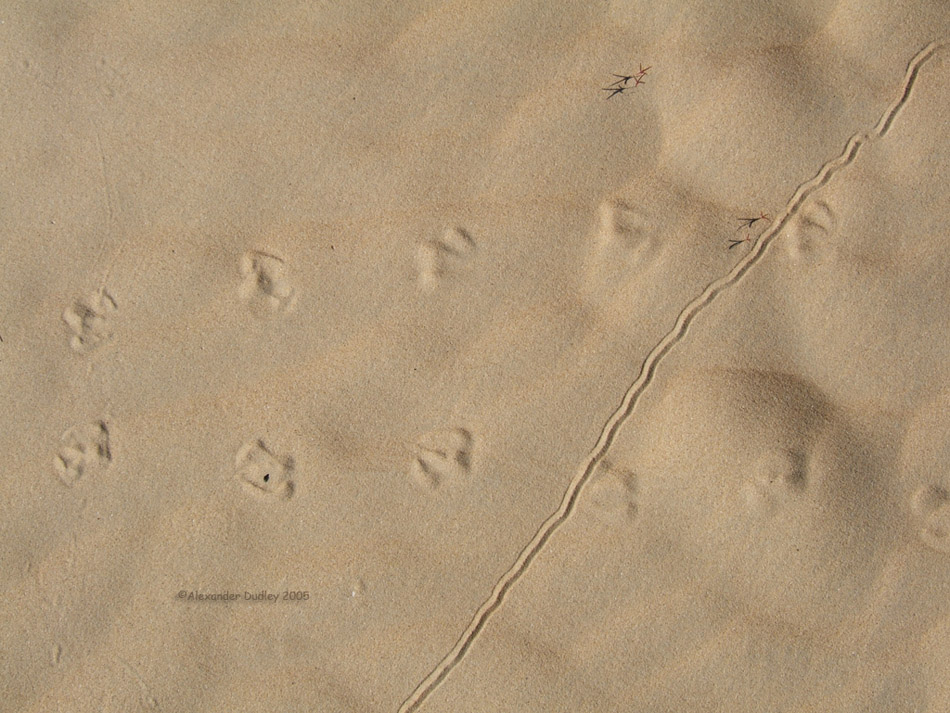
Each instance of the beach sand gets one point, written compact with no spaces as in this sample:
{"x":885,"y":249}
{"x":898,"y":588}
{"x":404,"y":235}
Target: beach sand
{"x":370,"y":357}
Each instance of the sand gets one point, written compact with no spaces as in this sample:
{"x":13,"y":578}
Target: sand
{"x":370,"y":357}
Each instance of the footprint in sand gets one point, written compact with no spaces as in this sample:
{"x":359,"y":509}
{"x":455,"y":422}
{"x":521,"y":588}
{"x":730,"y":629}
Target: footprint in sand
{"x":84,"y":449}
{"x":612,"y":493}
{"x":776,"y":478}
{"x":811,"y":230}
{"x":443,"y":456}
{"x":925,"y":472}
{"x":90,"y":321}
{"x":264,"y":474}
{"x":622,"y":245}
{"x":931,"y":505}
{"x":266,"y":287}
{"x":436,"y":259}
{"x":626,"y":237}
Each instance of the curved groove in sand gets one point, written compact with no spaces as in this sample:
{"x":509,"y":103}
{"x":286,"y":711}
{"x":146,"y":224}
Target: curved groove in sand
{"x":630,"y":399}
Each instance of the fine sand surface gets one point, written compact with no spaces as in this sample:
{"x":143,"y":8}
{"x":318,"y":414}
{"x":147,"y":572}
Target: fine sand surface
{"x":465,"y":379}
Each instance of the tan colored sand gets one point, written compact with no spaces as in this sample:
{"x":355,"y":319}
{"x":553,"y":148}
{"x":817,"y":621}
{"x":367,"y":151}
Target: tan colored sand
{"x":388,"y":307}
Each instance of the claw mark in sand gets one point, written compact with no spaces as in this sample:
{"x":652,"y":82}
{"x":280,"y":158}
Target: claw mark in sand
{"x":607,"y":436}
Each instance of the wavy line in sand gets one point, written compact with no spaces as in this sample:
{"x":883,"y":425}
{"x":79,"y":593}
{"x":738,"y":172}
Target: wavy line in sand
{"x":686,"y":316}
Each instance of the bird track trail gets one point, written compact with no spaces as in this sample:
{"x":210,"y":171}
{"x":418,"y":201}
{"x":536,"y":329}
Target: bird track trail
{"x":647,"y":371}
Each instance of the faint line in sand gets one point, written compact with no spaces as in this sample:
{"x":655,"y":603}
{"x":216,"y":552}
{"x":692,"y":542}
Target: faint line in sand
{"x":630,"y":399}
